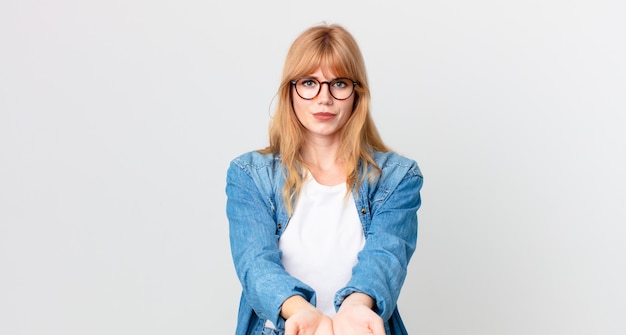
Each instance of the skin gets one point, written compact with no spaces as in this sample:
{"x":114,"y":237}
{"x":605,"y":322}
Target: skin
{"x":355,"y":316}
{"x":322,"y":118}
{"x":318,"y":128}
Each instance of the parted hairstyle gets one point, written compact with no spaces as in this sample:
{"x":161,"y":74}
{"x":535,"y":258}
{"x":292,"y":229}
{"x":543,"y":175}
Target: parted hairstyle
{"x":333,"y":48}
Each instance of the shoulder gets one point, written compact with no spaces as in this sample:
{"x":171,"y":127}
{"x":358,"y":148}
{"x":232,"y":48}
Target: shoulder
{"x":392,"y":163}
{"x":264,"y":170}
{"x":400,"y":176}
{"x":255,"y":160}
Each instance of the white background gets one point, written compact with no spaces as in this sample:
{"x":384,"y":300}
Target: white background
{"x":118,"y":120}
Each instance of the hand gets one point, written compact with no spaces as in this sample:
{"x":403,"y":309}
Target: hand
{"x":309,"y":322}
{"x":356,"y":317}
{"x":304,"y":319}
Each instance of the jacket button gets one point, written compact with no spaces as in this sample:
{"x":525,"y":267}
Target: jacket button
{"x":363,"y":211}
{"x":279,"y":226}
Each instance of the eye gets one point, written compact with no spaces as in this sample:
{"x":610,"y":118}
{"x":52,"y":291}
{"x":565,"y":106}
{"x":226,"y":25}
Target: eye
{"x":308,"y":83}
{"x":341,"y":83}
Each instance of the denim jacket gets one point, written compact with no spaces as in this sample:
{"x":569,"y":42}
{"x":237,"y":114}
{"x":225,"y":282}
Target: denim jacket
{"x":387,"y":208}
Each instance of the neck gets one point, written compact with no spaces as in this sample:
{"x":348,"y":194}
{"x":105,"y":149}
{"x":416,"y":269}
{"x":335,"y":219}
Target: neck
{"x":322,"y":161}
{"x":320,"y":153}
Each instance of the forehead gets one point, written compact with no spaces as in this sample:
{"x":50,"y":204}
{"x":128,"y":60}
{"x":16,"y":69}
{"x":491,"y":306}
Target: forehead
{"x":323,"y":73}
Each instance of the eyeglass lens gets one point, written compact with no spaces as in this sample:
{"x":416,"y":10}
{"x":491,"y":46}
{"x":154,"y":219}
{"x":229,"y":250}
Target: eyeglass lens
{"x":309,"y":88}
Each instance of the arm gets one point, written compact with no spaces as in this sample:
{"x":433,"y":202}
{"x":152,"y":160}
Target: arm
{"x":391,"y":240}
{"x":254,"y":246}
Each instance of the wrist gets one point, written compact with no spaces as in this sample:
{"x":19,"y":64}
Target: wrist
{"x":293,"y":305}
{"x":358,"y":298}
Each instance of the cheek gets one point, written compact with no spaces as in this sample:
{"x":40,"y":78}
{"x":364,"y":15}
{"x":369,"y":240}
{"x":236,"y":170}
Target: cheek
{"x":349,"y":106}
{"x":296,"y":101}
{"x":298,"y":106}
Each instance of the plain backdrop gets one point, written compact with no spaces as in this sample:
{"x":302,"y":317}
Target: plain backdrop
{"x":118,"y":120}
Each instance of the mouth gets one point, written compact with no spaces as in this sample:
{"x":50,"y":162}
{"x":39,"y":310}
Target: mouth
{"x":324,"y":116}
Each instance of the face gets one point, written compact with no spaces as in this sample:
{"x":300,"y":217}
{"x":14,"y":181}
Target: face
{"x":322,"y":116}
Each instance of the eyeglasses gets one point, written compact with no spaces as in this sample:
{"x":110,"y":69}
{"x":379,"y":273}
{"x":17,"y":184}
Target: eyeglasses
{"x":340,"y":88}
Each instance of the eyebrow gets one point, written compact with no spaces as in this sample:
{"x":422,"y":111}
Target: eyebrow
{"x":318,"y":79}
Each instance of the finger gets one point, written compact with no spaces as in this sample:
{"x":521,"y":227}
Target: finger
{"x":290,"y":329}
{"x":378,"y":328}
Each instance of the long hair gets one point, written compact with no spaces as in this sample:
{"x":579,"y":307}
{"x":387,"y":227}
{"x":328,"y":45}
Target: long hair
{"x":332,"y":48}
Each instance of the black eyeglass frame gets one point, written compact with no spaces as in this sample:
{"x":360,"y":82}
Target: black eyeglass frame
{"x":319,"y":89}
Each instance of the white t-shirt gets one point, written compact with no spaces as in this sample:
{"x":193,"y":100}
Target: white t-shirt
{"x":321,"y":241}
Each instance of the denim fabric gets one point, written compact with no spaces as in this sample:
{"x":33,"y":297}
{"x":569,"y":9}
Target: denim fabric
{"x":257,"y":217}
{"x":269,"y":331}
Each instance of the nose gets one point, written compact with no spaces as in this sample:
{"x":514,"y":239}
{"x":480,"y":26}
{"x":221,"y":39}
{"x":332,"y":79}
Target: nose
{"x":324,"y":94}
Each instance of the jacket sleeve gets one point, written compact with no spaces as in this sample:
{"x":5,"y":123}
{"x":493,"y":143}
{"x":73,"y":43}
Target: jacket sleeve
{"x":254,"y":247}
{"x":390,"y":242}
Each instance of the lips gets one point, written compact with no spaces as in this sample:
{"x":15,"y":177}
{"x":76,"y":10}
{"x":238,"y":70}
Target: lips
{"x":324,"y":116}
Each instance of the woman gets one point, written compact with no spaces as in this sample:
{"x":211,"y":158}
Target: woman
{"x":323,"y":221}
